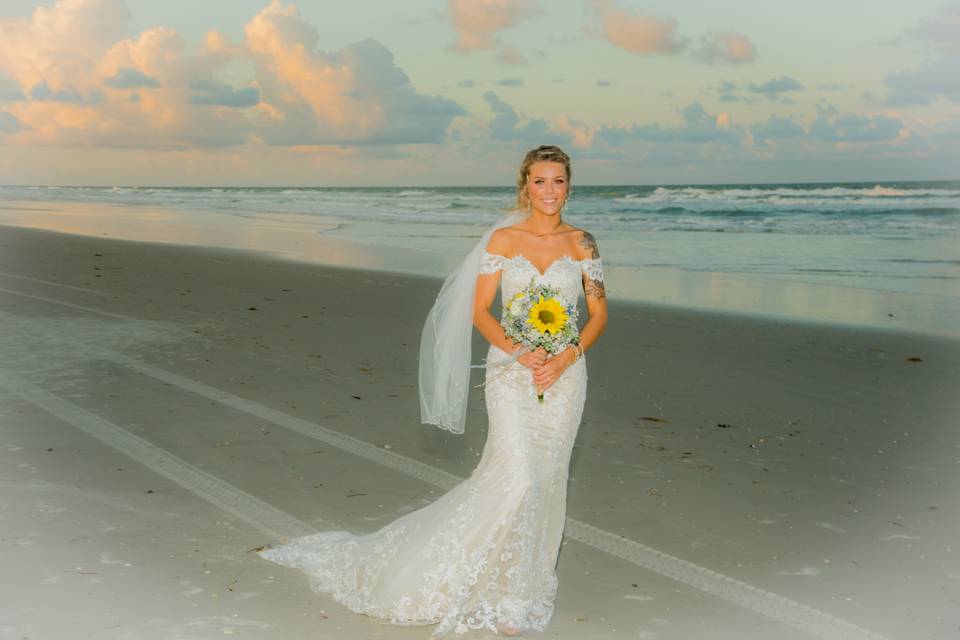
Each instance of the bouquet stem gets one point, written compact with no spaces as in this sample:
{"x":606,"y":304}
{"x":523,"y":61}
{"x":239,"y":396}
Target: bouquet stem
{"x":539,"y":396}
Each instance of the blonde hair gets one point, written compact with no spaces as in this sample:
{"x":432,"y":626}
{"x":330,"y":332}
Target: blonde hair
{"x":543,"y":153}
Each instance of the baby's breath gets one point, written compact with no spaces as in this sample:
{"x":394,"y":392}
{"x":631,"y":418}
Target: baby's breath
{"x":518,"y":327}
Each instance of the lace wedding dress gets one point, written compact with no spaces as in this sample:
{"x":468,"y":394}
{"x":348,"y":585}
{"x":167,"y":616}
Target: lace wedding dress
{"x":484,"y":553}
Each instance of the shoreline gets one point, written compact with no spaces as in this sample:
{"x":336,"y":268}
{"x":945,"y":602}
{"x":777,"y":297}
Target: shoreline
{"x":776,"y":299}
{"x":812,"y":462}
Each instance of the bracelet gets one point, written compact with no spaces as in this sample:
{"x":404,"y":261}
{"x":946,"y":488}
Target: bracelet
{"x":579,"y":349}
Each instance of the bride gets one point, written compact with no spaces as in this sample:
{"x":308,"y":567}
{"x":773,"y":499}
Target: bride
{"x":484,"y":555}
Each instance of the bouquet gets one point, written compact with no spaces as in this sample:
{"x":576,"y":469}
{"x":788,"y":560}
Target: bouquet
{"x":537,"y":317}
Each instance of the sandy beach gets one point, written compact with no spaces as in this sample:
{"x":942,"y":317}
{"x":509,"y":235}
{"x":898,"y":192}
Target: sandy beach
{"x":165,"y":410}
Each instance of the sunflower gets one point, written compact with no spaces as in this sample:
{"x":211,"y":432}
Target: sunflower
{"x":548,"y":315}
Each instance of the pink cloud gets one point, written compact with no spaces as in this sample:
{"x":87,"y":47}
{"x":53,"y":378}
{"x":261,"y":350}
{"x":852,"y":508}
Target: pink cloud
{"x":60,"y":45}
{"x":477,"y":22}
{"x":83,"y":82}
{"x":729,"y":47}
{"x":580,"y":133}
{"x":636,"y":32}
{"x":355,"y":95}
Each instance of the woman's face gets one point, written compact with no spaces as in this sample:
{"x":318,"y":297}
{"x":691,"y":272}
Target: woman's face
{"x":547,"y":187}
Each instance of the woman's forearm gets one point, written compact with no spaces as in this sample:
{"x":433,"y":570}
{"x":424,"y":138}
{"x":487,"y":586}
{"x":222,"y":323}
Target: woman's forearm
{"x":488,"y":326}
{"x":592,"y":331}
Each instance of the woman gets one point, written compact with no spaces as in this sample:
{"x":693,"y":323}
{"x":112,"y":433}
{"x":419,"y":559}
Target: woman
{"x":484,"y":554}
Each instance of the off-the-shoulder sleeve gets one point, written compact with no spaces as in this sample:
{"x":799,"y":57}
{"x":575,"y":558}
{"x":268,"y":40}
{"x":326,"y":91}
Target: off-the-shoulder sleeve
{"x":491,"y":262}
{"x":593,"y":267}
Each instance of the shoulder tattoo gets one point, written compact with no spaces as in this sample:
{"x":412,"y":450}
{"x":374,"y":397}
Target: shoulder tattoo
{"x":588,"y":242}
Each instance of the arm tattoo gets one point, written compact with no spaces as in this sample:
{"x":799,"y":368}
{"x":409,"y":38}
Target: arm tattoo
{"x":594,"y":288}
{"x":587,"y":242}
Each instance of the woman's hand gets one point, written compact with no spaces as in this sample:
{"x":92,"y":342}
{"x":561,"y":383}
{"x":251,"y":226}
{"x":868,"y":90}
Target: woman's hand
{"x":546,"y":374}
{"x":533,"y":359}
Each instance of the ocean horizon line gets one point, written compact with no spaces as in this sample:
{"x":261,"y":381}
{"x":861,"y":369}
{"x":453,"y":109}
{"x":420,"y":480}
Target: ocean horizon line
{"x":485,"y":186}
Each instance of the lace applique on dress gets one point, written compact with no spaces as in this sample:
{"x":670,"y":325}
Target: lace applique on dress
{"x":593,"y":267}
{"x":491,"y":263}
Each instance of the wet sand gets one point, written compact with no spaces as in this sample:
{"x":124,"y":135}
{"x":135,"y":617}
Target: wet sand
{"x":164,"y":410}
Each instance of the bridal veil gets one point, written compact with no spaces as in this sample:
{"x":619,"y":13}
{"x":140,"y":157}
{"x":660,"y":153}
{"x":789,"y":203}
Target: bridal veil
{"x":446,"y":338}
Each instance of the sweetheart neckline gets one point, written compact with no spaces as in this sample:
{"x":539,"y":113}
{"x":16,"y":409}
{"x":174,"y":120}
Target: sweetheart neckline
{"x":543,"y":273}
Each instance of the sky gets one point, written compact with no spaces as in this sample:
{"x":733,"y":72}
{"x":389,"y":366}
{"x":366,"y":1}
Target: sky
{"x":454,"y":92}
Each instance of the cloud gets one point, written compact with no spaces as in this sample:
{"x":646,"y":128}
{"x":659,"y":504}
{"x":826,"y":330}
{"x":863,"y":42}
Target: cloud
{"x":706,"y":138}
{"x":942,"y":32}
{"x":9,"y":123}
{"x":635,"y":32}
{"x":644,"y":34}
{"x":774,"y":87}
{"x":938,"y":77}
{"x":702,"y":138}
{"x":510,"y":82}
{"x":698,"y":126}
{"x":948,"y":130}
{"x":74,"y":66}
{"x":477,"y":22}
{"x":9,"y":90}
{"x":776,"y":128}
{"x":43,"y":93}
{"x":60,"y":46}
{"x":510,"y":55}
{"x":750,"y":93}
{"x":578,"y":132}
{"x":829,"y":126}
{"x":505,"y":125}
{"x":127,"y":78}
{"x":727,"y":93}
{"x":219,"y":93}
{"x":354,"y":96}
{"x":730,"y":47}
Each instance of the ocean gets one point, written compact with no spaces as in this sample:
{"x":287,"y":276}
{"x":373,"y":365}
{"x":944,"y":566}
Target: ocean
{"x":846,"y":252}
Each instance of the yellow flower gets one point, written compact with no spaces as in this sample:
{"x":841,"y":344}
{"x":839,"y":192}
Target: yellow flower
{"x":515,"y":298}
{"x":548,"y":315}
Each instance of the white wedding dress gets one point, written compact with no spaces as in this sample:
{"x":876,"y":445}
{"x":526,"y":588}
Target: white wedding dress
{"x":484,"y":553}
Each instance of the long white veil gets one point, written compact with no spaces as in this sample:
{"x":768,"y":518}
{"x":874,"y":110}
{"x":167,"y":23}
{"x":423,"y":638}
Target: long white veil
{"x":445,"y":342}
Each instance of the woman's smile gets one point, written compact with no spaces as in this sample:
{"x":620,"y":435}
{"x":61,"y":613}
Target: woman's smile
{"x":547,"y":186}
